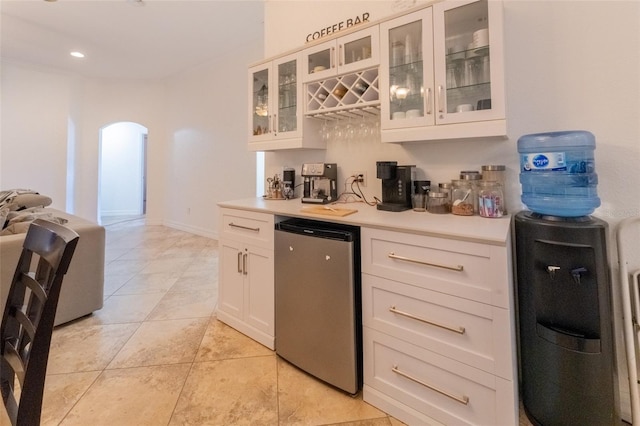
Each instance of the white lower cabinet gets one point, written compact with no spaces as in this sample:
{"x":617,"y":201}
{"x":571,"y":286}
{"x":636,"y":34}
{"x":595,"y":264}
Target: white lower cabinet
{"x":439,"y":330}
{"x":246,"y":274}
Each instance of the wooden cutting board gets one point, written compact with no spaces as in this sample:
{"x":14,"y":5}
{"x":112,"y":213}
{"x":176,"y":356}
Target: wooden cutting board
{"x":328,"y":211}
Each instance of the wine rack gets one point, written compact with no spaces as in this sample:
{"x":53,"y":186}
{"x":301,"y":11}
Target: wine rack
{"x":358,"y":90}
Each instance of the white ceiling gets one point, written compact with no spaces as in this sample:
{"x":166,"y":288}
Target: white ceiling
{"x":125,"y":40}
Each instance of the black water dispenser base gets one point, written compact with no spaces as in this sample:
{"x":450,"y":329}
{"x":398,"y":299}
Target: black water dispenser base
{"x":567,"y":355}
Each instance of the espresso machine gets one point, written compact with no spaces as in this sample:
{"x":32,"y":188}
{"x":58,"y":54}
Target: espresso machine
{"x":397,"y":185}
{"x":320,"y":183}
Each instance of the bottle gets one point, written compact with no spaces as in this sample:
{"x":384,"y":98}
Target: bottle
{"x":490,"y":199}
{"x":557,"y":173}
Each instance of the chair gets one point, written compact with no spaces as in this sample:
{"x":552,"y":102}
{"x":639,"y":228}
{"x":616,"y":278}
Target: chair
{"x":26,"y":328}
{"x":628,"y":244}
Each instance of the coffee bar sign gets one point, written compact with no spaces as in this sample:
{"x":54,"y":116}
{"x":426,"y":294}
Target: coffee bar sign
{"x":338,"y":26}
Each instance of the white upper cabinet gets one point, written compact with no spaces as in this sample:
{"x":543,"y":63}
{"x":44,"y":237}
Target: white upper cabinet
{"x":433,"y":73}
{"x":275,"y":101}
{"x":442,"y":73}
{"x":349,"y":53}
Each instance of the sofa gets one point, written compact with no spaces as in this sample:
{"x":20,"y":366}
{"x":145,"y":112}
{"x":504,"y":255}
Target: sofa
{"x":83,"y":287}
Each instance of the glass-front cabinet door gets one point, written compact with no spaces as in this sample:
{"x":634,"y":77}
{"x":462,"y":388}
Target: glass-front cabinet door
{"x":353,"y":52}
{"x":468,"y":61}
{"x":406,"y":83}
{"x":259,"y":101}
{"x":275,"y":99}
{"x":289,"y":97}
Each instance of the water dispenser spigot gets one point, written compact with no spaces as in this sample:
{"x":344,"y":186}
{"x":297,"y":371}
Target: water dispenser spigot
{"x":575,"y":273}
{"x":552,"y":270}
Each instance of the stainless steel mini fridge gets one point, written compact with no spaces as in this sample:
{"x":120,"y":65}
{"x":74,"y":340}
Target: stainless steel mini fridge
{"x":317,"y":301}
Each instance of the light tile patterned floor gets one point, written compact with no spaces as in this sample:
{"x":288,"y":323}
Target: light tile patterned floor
{"x":156,"y":355}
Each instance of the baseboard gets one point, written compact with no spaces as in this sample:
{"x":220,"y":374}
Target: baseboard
{"x":190,"y":229}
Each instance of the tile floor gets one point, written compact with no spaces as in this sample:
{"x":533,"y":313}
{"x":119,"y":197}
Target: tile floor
{"x":156,"y":355}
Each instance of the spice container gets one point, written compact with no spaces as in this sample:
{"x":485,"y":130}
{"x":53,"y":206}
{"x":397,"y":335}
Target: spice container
{"x":496,"y":173}
{"x":438,"y":202}
{"x":462,"y":197}
{"x":490,"y":199}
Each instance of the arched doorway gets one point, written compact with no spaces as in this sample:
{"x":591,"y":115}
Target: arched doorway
{"x":122,"y":174}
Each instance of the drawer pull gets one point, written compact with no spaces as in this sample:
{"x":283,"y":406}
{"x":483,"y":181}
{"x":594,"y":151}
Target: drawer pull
{"x":461,"y":399}
{"x":458,"y":268}
{"x":459,"y":330}
{"x":233,"y":225}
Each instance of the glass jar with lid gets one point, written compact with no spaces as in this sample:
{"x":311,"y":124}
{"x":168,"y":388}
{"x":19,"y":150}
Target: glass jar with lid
{"x":463,"y":195}
{"x":474,"y":177}
{"x":445,"y":187}
{"x":438,"y":202}
{"x":490,"y":199}
{"x":496,"y":173}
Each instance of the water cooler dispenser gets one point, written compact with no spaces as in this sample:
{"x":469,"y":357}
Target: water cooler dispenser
{"x":567,"y":356}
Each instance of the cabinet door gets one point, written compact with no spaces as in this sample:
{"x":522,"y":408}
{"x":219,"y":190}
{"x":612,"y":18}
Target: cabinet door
{"x":288,"y":99}
{"x":359,"y":50}
{"x":468,"y":52}
{"x":231,"y":279}
{"x":406,"y":79}
{"x":319,"y":61}
{"x":260,"y":300}
{"x":260,"y":121}
{"x":353,"y":52}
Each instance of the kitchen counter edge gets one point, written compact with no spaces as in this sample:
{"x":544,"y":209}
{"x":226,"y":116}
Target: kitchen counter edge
{"x":493,"y":231}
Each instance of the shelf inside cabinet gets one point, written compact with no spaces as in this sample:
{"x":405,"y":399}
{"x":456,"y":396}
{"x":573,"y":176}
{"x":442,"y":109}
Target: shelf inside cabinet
{"x":346,"y":92}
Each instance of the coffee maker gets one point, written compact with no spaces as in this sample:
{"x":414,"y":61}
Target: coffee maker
{"x":320,"y":183}
{"x":397,"y":185}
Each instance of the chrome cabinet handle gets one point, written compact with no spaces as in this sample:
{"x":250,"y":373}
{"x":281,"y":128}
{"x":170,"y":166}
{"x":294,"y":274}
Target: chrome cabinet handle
{"x":239,"y":262}
{"x":429,"y":102}
{"x":340,"y":56}
{"x":461,"y":399}
{"x":459,"y":330}
{"x":233,"y":225}
{"x":458,"y":268}
{"x":244,"y":264}
{"x":331,"y":60}
{"x":275,"y":124}
{"x":440,"y":100}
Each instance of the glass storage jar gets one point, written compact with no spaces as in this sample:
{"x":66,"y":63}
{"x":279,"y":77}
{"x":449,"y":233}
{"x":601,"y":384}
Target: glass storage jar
{"x":462,"y":196}
{"x":474,"y":177}
{"x":490,"y":199}
{"x":445,"y":187}
{"x":438,"y":202}
{"x":496,"y":173}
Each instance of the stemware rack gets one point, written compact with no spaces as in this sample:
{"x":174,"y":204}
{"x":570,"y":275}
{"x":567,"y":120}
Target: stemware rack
{"x":342,"y":95}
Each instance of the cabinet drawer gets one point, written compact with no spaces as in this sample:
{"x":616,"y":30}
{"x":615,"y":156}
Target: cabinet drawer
{"x":439,"y":387}
{"x":470,"y":270}
{"x":470,"y":332}
{"x":247,"y":227}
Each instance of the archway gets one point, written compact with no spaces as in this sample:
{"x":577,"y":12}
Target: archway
{"x":122,"y":174}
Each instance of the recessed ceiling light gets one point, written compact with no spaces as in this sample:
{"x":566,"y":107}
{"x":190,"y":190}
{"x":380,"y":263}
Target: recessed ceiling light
{"x":77,"y":54}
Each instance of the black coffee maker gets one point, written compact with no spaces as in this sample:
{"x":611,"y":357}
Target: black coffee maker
{"x":397,"y":184}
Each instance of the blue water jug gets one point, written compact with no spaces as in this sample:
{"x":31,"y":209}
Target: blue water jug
{"x":557,"y":173}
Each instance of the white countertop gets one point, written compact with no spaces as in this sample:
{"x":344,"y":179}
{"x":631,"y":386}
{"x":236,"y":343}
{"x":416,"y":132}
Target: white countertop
{"x":493,"y":231}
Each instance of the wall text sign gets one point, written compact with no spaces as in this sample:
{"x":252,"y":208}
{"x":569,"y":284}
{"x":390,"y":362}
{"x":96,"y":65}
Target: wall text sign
{"x":342,"y":25}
